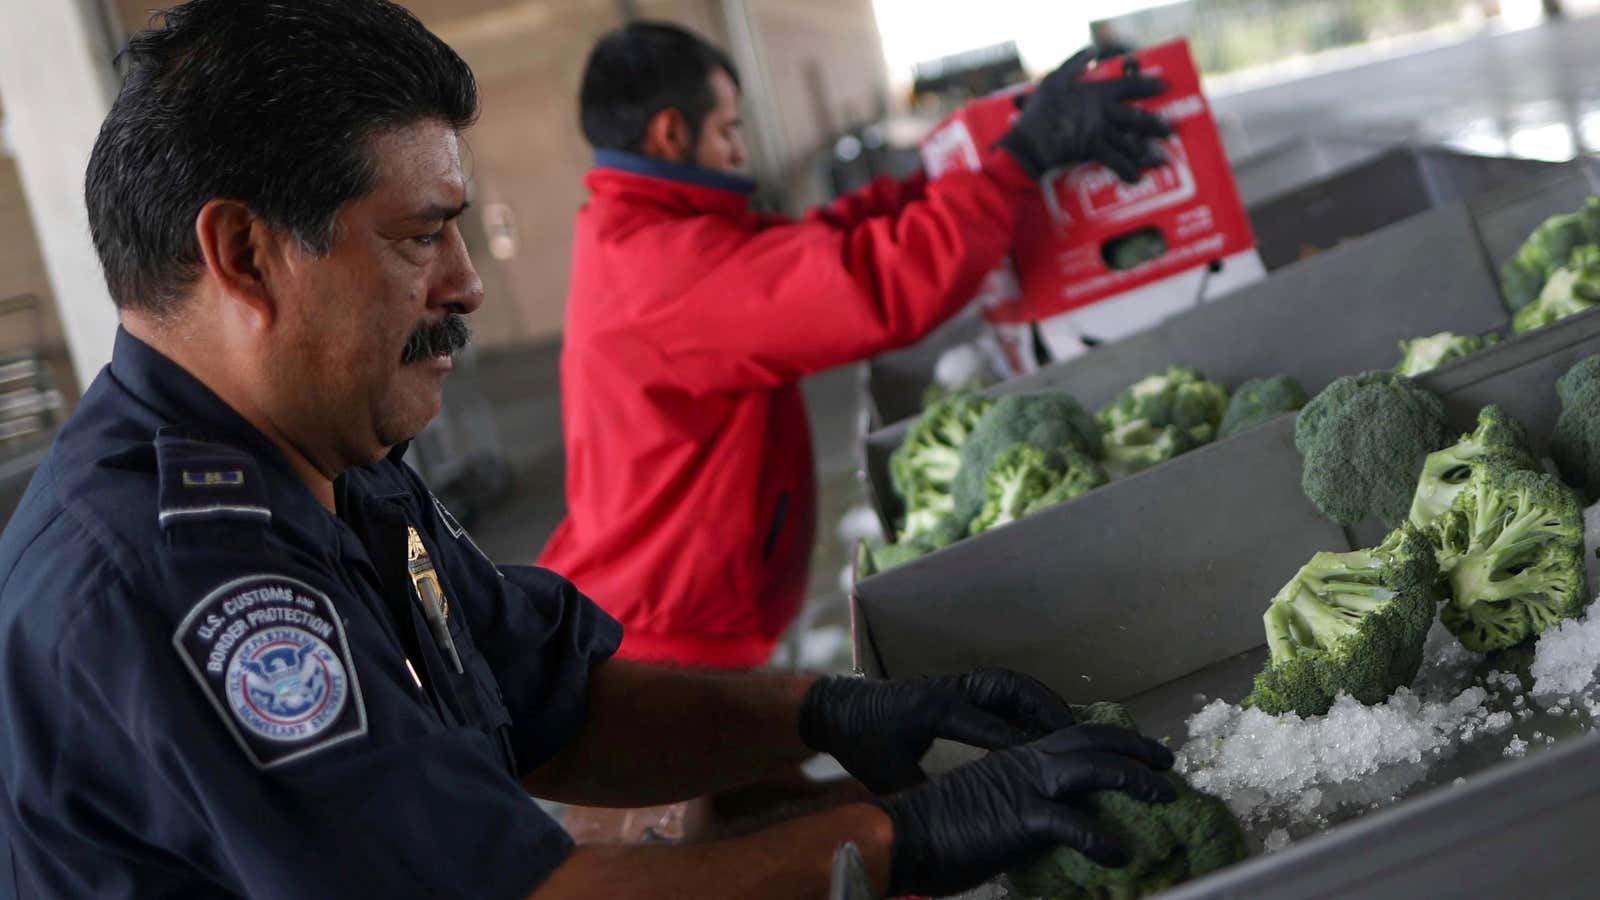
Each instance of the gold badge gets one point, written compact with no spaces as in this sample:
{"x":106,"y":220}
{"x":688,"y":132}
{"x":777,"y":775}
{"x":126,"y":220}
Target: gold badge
{"x":423,"y":576}
{"x":430,"y":595}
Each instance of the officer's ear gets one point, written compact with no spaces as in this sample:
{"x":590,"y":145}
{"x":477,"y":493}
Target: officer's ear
{"x":234,"y":246}
{"x":667,"y":136}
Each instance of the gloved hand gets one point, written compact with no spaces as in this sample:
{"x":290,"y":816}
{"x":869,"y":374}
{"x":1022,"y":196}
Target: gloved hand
{"x":1068,"y":121}
{"x":1014,"y":805}
{"x":880,"y":730}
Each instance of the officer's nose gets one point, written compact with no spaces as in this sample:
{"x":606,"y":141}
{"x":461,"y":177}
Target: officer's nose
{"x":459,"y":288}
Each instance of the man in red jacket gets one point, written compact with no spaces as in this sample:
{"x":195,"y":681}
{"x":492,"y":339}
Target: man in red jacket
{"x":691,"y":320}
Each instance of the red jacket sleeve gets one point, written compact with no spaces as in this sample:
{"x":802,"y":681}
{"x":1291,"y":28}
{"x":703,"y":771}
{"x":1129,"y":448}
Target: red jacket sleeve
{"x":785,"y":301}
{"x":883,"y":197}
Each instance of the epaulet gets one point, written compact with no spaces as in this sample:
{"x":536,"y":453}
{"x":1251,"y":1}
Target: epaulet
{"x":203,"y":481}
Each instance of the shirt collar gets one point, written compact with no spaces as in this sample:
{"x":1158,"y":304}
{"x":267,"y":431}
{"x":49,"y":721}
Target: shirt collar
{"x":639,"y":164}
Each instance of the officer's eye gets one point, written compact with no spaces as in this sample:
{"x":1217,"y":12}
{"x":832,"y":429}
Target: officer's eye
{"x":428,"y":240}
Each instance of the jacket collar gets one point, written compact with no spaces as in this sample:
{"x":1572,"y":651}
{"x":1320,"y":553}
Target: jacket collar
{"x":650,"y":167}
{"x":690,"y":190}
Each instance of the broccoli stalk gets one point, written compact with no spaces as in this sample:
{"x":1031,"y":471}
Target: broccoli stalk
{"x":1445,"y":472}
{"x":1167,"y":843}
{"x":1512,"y":548}
{"x":1425,"y":354}
{"x":1349,"y":623}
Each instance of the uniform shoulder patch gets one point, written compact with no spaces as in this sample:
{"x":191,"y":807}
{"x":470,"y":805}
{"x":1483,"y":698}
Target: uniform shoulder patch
{"x":270,"y":654}
{"x":207,"y":482}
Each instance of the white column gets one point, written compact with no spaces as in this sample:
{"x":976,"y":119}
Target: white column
{"x":56,"y":85}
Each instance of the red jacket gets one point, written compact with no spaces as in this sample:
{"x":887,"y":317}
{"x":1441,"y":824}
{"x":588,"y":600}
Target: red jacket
{"x":691,"y":320}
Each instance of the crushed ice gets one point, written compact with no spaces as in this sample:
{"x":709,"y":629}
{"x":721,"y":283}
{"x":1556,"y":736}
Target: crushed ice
{"x":1302,"y":772}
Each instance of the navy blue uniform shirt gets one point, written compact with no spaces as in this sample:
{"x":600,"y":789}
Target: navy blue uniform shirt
{"x":212,"y":686}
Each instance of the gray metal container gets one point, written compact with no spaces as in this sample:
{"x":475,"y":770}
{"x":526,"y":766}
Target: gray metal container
{"x":1339,"y":312}
{"x":1110,"y":596}
{"x":1297,"y":162}
{"x":1379,"y":191}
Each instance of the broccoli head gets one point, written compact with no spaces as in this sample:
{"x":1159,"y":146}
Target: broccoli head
{"x":1167,"y":843}
{"x":1021,"y":474}
{"x":1079,"y":476}
{"x":941,"y":532}
{"x":1179,"y":396}
{"x":1425,"y":354}
{"x":1445,"y":472}
{"x":1259,"y":400}
{"x":1363,"y":441}
{"x":1547,"y":249}
{"x":1575,"y":444}
{"x":1511,"y":547}
{"x":1570,"y":290}
{"x":1050,"y":422}
{"x":1024,"y":479}
{"x":931,"y":451}
{"x":1138,"y":445}
{"x":1349,"y":623}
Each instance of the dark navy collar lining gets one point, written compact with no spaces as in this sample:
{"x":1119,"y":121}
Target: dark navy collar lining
{"x":639,"y":164}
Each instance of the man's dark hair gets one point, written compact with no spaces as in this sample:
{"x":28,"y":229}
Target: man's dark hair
{"x":640,"y":70}
{"x":268,"y":102}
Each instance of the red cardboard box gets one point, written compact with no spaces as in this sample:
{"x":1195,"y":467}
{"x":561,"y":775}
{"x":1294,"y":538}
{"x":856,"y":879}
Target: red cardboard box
{"x":1085,"y":215}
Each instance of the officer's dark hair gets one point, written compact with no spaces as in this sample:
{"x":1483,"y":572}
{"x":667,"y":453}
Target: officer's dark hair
{"x":641,"y":69}
{"x":269,"y":102}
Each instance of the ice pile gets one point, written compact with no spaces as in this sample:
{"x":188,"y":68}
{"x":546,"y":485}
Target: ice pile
{"x":1287,"y":766}
{"x":1566,"y":658}
{"x":1301,"y":770}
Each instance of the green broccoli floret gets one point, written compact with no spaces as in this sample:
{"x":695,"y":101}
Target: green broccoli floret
{"x":1082,"y":475}
{"x":1259,"y":400}
{"x":1349,"y":623}
{"x":1137,"y":445}
{"x":1050,"y":422}
{"x":941,"y":533}
{"x":1445,"y":472}
{"x":931,"y":451}
{"x":1179,"y":396}
{"x":1511,"y":547}
{"x":1024,"y":479}
{"x":1547,"y":249}
{"x":1575,"y":445}
{"x":1570,"y":290}
{"x":1363,"y":441}
{"x":1425,"y":354}
{"x":1167,"y":843}
{"x":1020,"y":475}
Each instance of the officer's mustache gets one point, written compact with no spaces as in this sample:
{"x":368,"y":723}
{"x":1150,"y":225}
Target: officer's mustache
{"x":442,"y":338}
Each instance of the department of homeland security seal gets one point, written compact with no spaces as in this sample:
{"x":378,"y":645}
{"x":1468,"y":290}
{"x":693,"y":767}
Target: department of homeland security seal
{"x":271,"y":655}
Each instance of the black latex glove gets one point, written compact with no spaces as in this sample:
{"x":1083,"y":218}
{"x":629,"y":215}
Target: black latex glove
{"x":1014,"y":805}
{"x":1068,"y":121}
{"x":880,"y":730}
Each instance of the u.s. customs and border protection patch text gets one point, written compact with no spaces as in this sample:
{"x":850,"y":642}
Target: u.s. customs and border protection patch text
{"x":270,"y":654}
